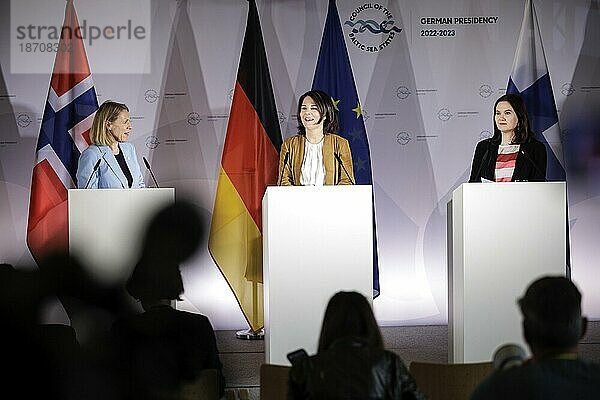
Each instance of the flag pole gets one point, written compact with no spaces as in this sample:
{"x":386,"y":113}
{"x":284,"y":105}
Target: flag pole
{"x":249,"y":334}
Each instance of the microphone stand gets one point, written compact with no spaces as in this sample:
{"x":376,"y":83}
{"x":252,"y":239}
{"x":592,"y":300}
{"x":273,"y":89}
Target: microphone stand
{"x":337,"y":156}
{"x":150,"y":169}
{"x":93,"y":172}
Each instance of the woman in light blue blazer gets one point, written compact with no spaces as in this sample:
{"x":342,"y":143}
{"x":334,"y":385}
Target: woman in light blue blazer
{"x":110,"y":162}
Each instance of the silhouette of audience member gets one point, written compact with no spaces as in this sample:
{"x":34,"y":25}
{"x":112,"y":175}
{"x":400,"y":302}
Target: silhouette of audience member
{"x":46,"y":360}
{"x":162,"y":348}
{"x":24,"y":358}
{"x":552,"y":327}
{"x":351,"y":362}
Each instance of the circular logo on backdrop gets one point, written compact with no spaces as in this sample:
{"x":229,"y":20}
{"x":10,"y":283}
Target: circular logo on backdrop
{"x":371,"y":27}
{"x":150,"y":95}
{"x":444,"y":114}
{"x":402,"y":92}
{"x":485,"y":134}
{"x":23,"y":120}
{"x":281,"y":117}
{"x":485,"y":91}
{"x":403,"y":138}
{"x":152,"y":142}
{"x":365,"y":114}
{"x":567,"y":89}
{"x":193,"y":118}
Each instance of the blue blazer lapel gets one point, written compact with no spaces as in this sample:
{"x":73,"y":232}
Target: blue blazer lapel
{"x":110,"y":159}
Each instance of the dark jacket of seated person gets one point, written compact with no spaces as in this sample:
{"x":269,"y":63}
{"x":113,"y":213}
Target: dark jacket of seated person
{"x":549,"y":378}
{"x":351,"y":369}
{"x":351,"y":362}
{"x":552,"y":326}
{"x":163,"y":348}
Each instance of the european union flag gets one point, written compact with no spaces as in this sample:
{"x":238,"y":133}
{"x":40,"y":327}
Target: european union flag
{"x":333,"y":75}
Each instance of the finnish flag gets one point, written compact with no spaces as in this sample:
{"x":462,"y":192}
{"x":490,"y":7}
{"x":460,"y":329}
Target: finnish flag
{"x":530,"y":79}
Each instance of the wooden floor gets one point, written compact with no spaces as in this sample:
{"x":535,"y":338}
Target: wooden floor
{"x":242,"y":358}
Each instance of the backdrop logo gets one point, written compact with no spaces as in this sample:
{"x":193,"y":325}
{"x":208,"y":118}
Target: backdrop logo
{"x":23,"y":120}
{"x":403,"y":138}
{"x":152,"y":142}
{"x":193,"y":118}
{"x":150,"y":95}
{"x":485,"y":91}
{"x":402,"y":92}
{"x":365,"y":114}
{"x":281,"y":117}
{"x":372,"y":27}
{"x":485,"y":134}
{"x":444,"y":114}
{"x":567,"y":89}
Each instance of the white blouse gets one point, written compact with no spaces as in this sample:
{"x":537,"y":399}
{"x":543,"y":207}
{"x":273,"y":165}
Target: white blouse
{"x":313,"y":169}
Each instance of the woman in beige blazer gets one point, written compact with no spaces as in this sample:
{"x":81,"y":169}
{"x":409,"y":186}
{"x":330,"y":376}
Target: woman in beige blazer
{"x":316,"y":155}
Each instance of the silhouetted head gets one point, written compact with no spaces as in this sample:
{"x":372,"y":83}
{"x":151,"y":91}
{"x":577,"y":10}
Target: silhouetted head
{"x":173,"y":235}
{"x":349,"y":314}
{"x":551,"y":309}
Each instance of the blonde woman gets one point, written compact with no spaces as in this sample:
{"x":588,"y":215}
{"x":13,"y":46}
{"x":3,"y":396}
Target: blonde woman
{"x":110,"y":162}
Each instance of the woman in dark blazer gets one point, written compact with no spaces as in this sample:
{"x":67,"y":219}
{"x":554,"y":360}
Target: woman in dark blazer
{"x":513,"y":153}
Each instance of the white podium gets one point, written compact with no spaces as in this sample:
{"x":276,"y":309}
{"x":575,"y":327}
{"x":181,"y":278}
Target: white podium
{"x":501,"y":237}
{"x":106,"y":227}
{"x":316,"y":242}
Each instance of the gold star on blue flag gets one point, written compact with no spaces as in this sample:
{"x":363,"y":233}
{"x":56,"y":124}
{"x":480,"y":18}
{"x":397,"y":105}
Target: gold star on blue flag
{"x":357,"y":110}
{"x":335,"y":104}
{"x":334,"y":76}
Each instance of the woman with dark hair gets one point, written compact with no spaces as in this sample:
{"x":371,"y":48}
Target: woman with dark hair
{"x":351,"y":362}
{"x":316,"y":155}
{"x":513,"y":153}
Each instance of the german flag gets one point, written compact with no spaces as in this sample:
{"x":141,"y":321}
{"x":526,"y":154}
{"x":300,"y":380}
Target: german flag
{"x":248,"y":165}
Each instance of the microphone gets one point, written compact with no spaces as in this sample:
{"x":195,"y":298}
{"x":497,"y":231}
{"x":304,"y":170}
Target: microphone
{"x":93,"y":172}
{"x":285,"y":160}
{"x":508,"y":356}
{"x":113,"y":171}
{"x":484,"y":160}
{"x":342,"y":164}
{"x":150,"y":169}
{"x":535,"y":166}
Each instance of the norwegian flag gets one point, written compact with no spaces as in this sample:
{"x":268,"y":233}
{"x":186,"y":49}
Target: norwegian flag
{"x":64,"y":134}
